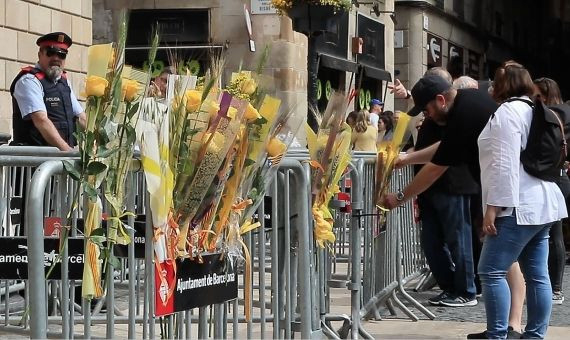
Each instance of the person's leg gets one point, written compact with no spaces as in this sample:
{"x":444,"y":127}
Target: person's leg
{"x":432,"y":242}
{"x":534,"y":264}
{"x":499,"y":253}
{"x":476,"y":235}
{"x":517,"y":286}
{"x":454,"y":212}
{"x":556,"y":257}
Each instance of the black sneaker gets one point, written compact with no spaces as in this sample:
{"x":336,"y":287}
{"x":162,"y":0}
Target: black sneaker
{"x":436,"y":300}
{"x":482,"y":335}
{"x":511,"y":334}
{"x":459,"y":301}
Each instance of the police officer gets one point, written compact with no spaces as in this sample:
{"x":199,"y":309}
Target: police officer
{"x":45,"y":109}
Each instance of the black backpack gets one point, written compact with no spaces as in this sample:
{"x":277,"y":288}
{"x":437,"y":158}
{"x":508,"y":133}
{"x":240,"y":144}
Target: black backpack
{"x":546,"y":148}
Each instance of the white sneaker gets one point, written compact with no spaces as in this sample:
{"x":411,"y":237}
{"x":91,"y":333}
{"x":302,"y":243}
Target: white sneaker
{"x":557,"y":298}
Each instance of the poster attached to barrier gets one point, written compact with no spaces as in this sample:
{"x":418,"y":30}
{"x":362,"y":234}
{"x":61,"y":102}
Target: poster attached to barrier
{"x":195,"y":284}
{"x":14,"y":258}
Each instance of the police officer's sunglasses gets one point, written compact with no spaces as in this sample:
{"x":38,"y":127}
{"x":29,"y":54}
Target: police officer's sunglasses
{"x":51,"y":51}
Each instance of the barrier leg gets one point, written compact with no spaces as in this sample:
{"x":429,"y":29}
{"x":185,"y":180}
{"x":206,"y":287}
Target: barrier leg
{"x":401,"y":287}
{"x":275,"y":289}
{"x":34,"y":218}
{"x":289,"y":298}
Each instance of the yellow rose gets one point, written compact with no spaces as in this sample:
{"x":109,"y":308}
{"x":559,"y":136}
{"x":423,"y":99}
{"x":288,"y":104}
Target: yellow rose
{"x":248,"y":86}
{"x":130,"y":89}
{"x":251,"y":113}
{"x":275,"y":147}
{"x":95,"y":86}
{"x":193,"y":100}
{"x":213,"y":108}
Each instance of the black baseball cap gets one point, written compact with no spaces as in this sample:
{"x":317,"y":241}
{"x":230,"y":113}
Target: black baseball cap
{"x":425,"y":90}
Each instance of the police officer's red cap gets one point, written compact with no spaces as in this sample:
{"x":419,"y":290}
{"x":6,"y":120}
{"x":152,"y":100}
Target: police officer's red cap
{"x":55,"y":39}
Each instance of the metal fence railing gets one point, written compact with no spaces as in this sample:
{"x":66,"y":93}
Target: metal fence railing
{"x":292,"y":278}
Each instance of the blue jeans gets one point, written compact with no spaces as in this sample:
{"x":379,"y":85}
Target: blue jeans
{"x":446,"y":241}
{"x":529,"y":245}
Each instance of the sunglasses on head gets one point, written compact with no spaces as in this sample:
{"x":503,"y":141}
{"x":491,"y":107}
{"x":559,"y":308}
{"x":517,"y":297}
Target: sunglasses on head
{"x":51,"y":51}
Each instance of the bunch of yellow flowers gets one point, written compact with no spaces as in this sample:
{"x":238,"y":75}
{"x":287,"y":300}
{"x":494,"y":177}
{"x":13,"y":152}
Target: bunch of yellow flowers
{"x":284,"y":5}
{"x":242,"y":86}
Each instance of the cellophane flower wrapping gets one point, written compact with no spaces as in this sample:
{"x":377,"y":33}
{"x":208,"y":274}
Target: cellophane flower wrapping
{"x":329,"y":150}
{"x":106,"y":147}
{"x":388,"y":151}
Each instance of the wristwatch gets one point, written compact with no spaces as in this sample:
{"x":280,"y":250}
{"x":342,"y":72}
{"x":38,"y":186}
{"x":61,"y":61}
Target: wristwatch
{"x":399,"y":195}
{"x":408,"y":94}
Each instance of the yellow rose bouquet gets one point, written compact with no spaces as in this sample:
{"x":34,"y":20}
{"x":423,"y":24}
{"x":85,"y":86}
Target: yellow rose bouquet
{"x":329,"y":149}
{"x":268,"y":151}
{"x":284,"y":5}
{"x":198,"y":200}
{"x":106,"y":148}
{"x":261,"y":144}
{"x":387,"y":153}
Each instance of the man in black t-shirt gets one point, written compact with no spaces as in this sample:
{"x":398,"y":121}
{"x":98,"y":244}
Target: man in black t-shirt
{"x":465,"y":113}
{"x":446,"y":234}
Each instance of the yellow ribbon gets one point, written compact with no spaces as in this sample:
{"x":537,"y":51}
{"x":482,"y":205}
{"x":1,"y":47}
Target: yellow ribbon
{"x":248,"y":226}
{"x":242,"y":205}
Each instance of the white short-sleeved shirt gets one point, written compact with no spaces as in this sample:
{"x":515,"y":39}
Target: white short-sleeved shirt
{"x":374,"y":118}
{"x":29,"y":94}
{"x":504,"y":182}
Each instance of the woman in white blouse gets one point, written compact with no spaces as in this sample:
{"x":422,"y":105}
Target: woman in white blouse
{"x":518,"y":209}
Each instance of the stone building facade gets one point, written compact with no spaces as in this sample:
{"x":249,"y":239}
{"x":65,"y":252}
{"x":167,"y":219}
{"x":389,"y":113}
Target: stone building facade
{"x":21,"y":23}
{"x":227,"y":30}
{"x":481,"y":33}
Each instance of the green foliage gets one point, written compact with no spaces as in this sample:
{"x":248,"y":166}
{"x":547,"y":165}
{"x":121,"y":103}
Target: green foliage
{"x":72,"y":170}
{"x":95,"y":167}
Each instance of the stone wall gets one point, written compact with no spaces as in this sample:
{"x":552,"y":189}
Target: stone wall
{"x":21,"y":23}
{"x":411,"y":58}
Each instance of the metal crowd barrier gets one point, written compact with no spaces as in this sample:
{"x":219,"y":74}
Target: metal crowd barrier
{"x":392,"y":253}
{"x":292,"y":278}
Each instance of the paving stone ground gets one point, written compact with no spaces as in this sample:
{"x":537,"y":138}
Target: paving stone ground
{"x":560,"y":313}
{"x":450,"y":323}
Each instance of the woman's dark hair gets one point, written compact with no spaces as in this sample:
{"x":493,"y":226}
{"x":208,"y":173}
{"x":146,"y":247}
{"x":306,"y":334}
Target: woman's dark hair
{"x":549,"y":91}
{"x":388,"y":120}
{"x":511,"y":80}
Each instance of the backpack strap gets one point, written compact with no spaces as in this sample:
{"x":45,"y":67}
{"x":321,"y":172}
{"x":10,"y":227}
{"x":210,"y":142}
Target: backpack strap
{"x":516,"y":99}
